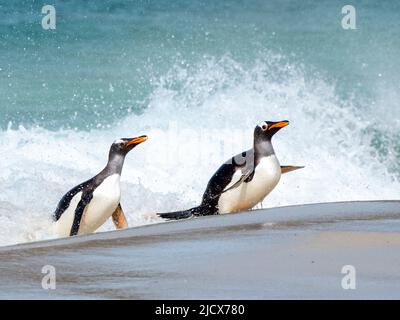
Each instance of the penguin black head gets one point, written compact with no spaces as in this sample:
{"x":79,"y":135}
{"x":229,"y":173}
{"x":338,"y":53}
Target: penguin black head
{"x":266,"y":129}
{"x":124,"y":145}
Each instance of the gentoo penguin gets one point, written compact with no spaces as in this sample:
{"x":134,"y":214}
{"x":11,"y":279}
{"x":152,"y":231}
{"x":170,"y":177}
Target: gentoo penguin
{"x":86,"y":207}
{"x":244,"y":180}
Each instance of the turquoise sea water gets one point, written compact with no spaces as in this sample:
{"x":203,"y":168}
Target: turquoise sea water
{"x":195,"y":75}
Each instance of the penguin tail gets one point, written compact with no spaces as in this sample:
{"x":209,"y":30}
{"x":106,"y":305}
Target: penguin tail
{"x":177,"y":215}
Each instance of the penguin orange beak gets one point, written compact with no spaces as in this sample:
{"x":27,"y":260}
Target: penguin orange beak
{"x":136,"y":141}
{"x":279,"y":124}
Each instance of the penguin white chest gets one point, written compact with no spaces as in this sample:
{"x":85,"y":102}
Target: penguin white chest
{"x":266,"y":176}
{"x":106,"y":198}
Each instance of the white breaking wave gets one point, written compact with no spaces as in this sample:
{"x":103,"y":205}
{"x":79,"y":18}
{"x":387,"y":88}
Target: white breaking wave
{"x":196,"y":119}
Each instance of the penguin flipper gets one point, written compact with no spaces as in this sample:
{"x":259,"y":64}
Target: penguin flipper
{"x":79,"y":211}
{"x":286,"y":169}
{"x":119,"y":219}
{"x":242,"y":179}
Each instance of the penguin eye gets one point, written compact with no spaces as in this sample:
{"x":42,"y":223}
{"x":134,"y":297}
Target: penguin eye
{"x":264,"y":127}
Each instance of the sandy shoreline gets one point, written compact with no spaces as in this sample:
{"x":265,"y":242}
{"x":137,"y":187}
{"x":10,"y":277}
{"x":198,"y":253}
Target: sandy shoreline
{"x":292,"y":252}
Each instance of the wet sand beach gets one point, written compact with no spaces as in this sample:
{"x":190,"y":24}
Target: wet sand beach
{"x":294,"y":252}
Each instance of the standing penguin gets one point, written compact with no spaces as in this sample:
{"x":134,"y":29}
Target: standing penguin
{"x":86,"y":207}
{"x":243,"y":181}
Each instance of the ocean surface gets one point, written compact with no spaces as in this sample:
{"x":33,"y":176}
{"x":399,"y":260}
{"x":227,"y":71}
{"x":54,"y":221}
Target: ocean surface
{"x":196,"y":77}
